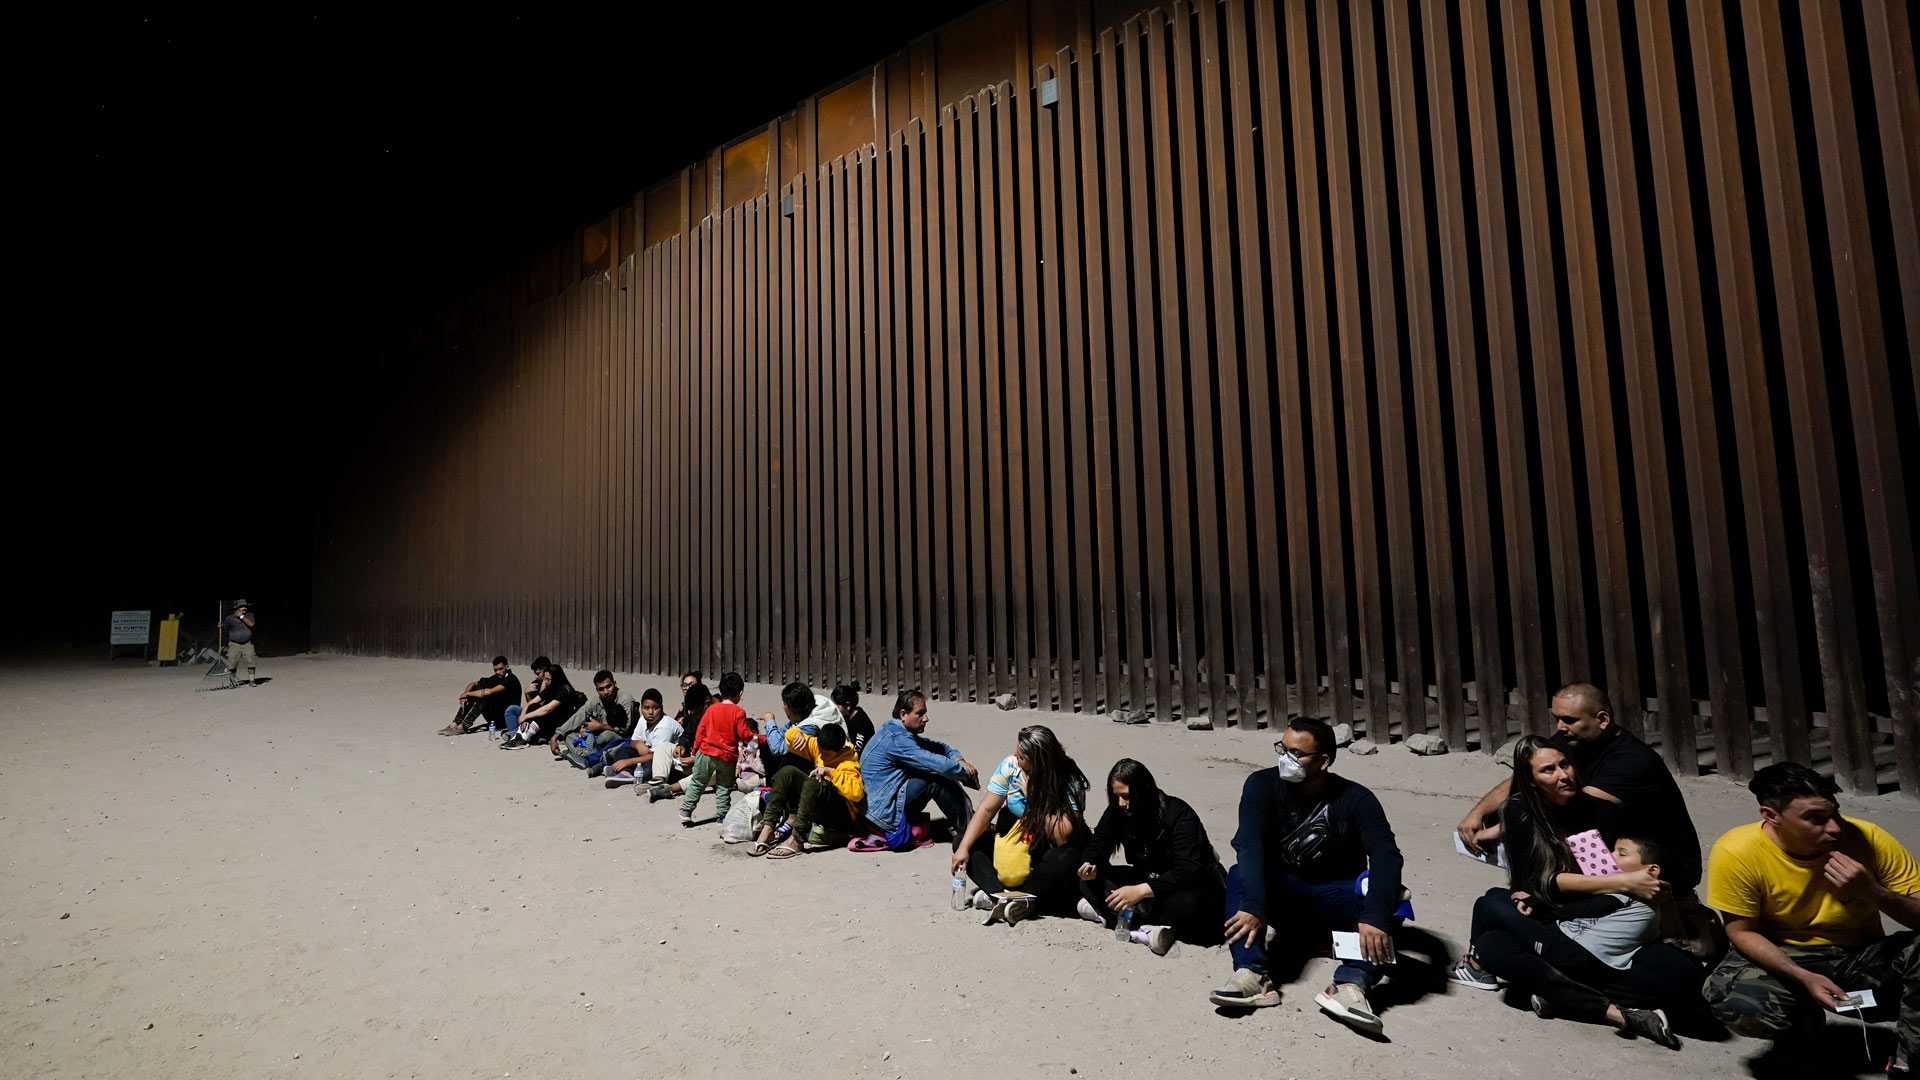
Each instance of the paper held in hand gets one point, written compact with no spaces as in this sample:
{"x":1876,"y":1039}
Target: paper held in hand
{"x":1496,"y":857}
{"x":1857,"y":1003}
{"x":1859,"y":999}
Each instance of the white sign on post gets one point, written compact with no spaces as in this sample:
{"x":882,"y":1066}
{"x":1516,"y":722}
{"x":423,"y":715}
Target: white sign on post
{"x":130,"y":627}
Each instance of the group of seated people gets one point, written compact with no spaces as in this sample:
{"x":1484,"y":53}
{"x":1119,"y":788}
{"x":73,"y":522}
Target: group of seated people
{"x":1598,"y":923}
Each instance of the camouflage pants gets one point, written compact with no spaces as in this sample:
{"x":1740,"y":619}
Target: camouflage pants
{"x":1752,"y":1002}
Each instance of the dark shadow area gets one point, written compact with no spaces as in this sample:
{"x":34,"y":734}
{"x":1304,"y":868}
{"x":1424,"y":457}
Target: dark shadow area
{"x":1424,"y":957}
{"x":1835,"y":1052}
{"x":234,"y":208}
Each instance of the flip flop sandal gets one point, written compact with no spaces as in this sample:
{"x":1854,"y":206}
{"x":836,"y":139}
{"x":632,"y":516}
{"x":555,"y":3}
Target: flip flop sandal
{"x":783,"y":852}
{"x":758,"y":849}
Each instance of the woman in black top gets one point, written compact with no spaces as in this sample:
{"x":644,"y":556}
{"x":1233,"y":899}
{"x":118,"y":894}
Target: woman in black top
{"x":1513,"y":933}
{"x":558,"y":702}
{"x":1172,"y":882}
{"x":846,"y":698}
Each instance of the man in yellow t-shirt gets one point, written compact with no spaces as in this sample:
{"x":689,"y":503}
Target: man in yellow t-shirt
{"x":1803,"y":891}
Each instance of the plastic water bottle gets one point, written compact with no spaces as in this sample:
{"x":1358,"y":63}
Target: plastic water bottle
{"x":1123,"y":926}
{"x":959,"y":894}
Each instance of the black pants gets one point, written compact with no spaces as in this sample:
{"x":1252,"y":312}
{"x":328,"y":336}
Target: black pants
{"x":1578,"y":986}
{"x":1055,"y":876}
{"x":547,"y":725}
{"x":1536,"y":957}
{"x":1193,"y":912}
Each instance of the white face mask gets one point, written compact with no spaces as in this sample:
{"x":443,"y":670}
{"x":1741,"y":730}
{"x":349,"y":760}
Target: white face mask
{"x":1291,"y":770}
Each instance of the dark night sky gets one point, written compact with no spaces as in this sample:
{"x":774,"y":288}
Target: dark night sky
{"x":230,"y":203}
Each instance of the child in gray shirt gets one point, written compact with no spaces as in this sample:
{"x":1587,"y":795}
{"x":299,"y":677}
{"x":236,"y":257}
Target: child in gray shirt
{"x":1613,"y":926}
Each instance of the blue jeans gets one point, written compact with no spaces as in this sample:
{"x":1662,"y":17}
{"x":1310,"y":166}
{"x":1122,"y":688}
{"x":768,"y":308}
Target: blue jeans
{"x":512,"y":718}
{"x":947,"y":794}
{"x":1304,"y":914}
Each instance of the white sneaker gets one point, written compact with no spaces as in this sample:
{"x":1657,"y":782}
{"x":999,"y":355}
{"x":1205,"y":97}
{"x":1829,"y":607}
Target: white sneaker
{"x":1158,"y":938}
{"x":1087,"y":912}
{"x":1348,"y":1003}
{"x":1247,"y":989}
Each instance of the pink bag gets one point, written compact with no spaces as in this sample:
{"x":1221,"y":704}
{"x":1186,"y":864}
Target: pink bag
{"x":1592,"y":854}
{"x":874,"y":840}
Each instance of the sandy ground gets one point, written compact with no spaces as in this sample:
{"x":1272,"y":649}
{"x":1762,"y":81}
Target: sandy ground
{"x":303,"y":880}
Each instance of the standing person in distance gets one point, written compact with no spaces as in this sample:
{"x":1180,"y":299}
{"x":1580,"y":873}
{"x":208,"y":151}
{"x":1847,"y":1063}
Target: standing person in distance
{"x":239,"y":628}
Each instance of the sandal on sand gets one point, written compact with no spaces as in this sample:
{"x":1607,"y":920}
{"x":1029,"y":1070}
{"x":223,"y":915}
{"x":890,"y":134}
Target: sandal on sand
{"x":454,"y":728}
{"x":787,"y":850}
{"x":758,"y":849}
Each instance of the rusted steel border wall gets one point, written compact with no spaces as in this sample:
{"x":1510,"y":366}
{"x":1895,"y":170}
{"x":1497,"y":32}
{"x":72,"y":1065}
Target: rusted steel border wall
{"x":1389,"y":361}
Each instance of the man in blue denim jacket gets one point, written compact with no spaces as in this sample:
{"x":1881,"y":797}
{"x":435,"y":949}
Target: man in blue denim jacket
{"x":903,"y":770}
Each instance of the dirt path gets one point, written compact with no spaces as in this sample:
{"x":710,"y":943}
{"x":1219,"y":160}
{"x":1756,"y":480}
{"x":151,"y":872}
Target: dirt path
{"x":303,"y":880}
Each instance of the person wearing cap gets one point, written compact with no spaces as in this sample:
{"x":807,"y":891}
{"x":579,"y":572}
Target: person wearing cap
{"x":1316,"y":855}
{"x":239,"y":627}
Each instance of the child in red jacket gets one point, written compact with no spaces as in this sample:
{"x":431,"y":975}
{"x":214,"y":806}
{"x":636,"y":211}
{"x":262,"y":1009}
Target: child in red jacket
{"x":716,"y":749}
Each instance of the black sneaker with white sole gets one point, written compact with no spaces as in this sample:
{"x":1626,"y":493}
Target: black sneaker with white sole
{"x":1649,"y":1024}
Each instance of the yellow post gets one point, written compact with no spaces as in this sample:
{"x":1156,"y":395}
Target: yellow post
{"x":169,"y":639}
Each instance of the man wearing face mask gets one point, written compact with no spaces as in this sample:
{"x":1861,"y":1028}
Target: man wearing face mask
{"x":1305,"y":837}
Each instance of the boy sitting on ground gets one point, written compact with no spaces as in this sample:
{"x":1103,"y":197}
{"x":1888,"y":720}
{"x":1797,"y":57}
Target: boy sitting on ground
{"x":1611,"y":927}
{"x":828,"y":794}
{"x":649,"y":755}
{"x":1591,"y":940}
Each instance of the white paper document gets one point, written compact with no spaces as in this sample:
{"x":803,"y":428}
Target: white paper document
{"x":1346,"y":945}
{"x":1498,"y":857}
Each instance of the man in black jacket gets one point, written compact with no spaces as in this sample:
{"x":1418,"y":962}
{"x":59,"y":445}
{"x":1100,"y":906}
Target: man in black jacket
{"x":1633,"y":793}
{"x":1305,"y":838}
{"x":486,"y":700}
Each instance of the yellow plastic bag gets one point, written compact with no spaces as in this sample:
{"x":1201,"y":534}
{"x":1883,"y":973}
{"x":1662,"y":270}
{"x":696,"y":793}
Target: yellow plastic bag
{"x":1012,"y":859}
